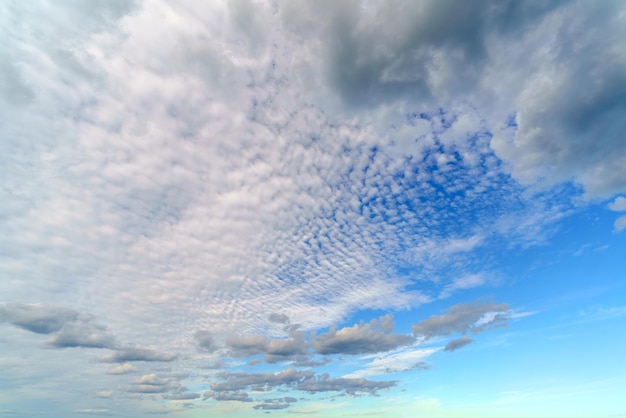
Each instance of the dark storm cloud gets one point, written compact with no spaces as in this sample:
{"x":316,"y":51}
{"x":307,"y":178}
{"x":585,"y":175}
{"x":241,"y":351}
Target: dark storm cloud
{"x":463,"y":318}
{"x":458,"y":343}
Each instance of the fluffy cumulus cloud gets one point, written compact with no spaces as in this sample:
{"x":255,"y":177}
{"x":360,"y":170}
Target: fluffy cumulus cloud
{"x":201,"y":185}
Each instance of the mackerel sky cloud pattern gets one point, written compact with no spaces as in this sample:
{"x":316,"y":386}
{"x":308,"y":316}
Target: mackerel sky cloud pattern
{"x":332,"y":208}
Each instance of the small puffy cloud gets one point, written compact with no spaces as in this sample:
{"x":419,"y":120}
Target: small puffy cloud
{"x":458,"y":343}
{"x":152,"y":383}
{"x":618,"y":205}
{"x":462,"y":318}
{"x":279,"y":318}
{"x":122,"y":369}
{"x":104,"y":394}
{"x":620,"y":224}
{"x":372,"y":337}
{"x":136,"y":353}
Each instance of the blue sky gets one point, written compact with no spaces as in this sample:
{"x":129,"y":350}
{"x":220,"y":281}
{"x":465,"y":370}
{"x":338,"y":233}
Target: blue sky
{"x":312,"y":208}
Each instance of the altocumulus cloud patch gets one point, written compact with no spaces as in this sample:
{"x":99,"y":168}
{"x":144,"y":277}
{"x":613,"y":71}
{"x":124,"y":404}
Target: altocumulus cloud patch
{"x":290,"y":205}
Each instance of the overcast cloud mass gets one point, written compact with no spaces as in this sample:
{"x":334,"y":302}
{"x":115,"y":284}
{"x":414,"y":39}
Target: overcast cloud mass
{"x":331,"y":208}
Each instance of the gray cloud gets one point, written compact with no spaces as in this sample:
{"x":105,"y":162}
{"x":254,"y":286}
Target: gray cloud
{"x":136,"y":353}
{"x":262,"y":381}
{"x":83,"y":334}
{"x":67,"y":328}
{"x":458,"y":343}
{"x":444,"y":52}
{"x":228,"y":396}
{"x":324,"y":383}
{"x":247,"y":345}
{"x":152,"y":383}
{"x":36,"y":318}
{"x":618,"y":205}
{"x":183,"y":396}
{"x":308,"y":381}
{"x":372,"y":337}
{"x":309,"y":361}
{"x":269,"y":204}
{"x":279,"y":318}
{"x":275,"y":350}
{"x":462,"y":318}
{"x":205,"y":339}
{"x":270,"y":406}
{"x":94,"y":411}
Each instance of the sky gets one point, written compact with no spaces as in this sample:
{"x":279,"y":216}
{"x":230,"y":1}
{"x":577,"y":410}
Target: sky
{"x":313,"y":208}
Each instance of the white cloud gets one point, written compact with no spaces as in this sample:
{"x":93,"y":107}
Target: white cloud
{"x":620,"y":224}
{"x":240,"y":158}
{"x":395,"y":361}
{"x":466,"y":282}
{"x":122,"y":369}
{"x":618,"y":205}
